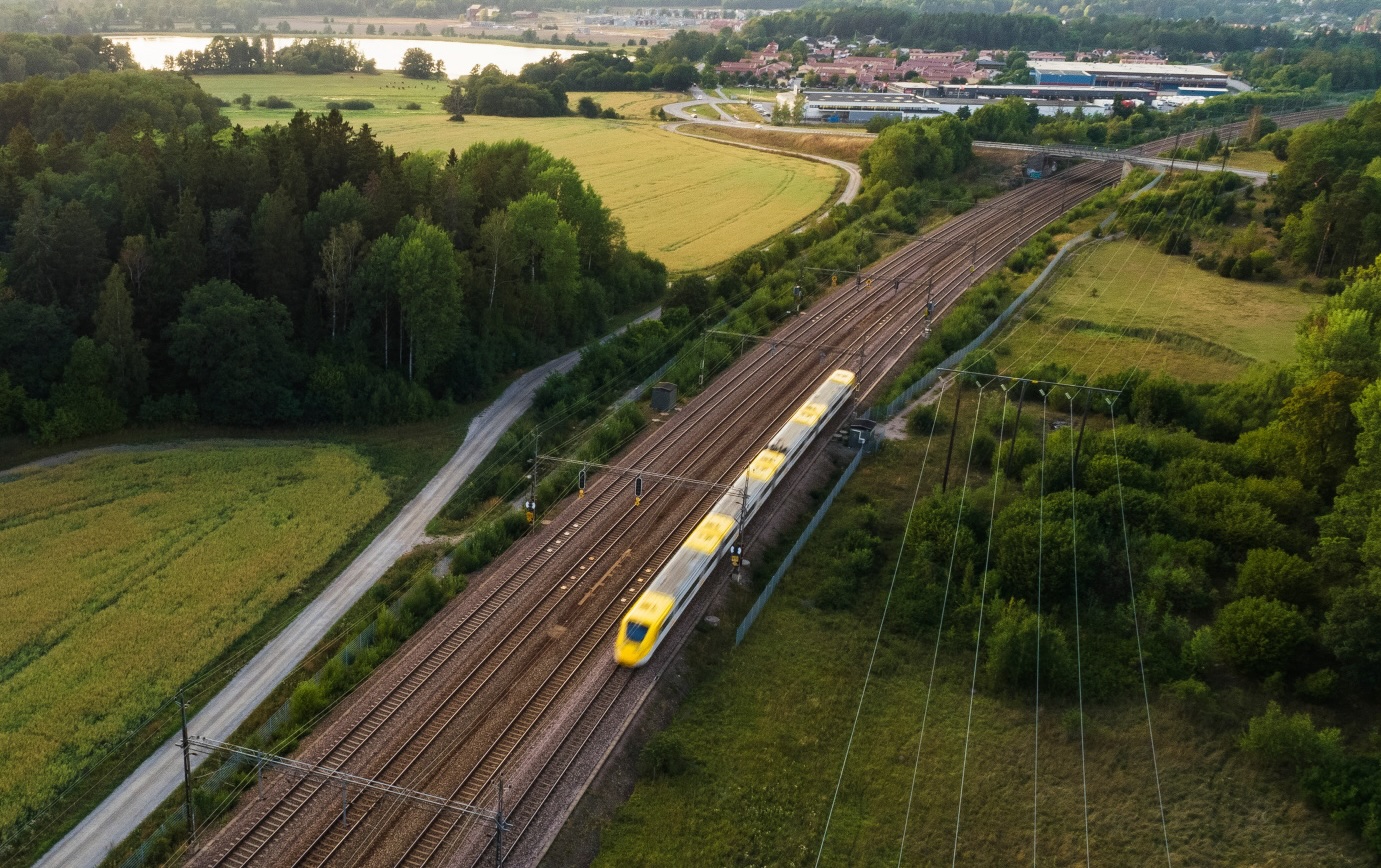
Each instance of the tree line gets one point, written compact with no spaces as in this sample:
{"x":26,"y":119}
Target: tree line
{"x":946,"y":30}
{"x":161,"y":265}
{"x":237,"y":55}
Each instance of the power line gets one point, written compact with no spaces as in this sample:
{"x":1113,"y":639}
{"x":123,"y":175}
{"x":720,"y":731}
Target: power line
{"x":1078,"y":650}
{"x":944,"y":602}
{"x":1136,"y":626}
{"x":915,"y":496}
{"x":1040,"y":567}
{"x":978,"y":634}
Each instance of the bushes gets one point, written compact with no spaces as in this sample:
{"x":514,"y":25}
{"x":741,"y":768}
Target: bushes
{"x":273,"y":102}
{"x":353,"y":105}
{"x":1260,"y":636}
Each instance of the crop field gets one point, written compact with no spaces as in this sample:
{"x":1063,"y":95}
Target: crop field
{"x":836,"y":147}
{"x":750,"y":762}
{"x":1122,"y":303}
{"x":128,"y":573}
{"x":689,"y":203}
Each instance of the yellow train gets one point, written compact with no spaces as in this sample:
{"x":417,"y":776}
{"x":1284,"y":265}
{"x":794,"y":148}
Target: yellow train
{"x":661,"y":603}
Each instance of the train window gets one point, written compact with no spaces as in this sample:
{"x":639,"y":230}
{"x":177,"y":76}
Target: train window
{"x":636,"y":632}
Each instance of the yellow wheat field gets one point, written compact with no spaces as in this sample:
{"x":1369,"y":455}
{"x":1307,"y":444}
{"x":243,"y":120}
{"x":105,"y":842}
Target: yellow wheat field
{"x":123,"y":575}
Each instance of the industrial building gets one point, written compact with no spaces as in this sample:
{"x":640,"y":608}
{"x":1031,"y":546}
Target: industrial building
{"x":1074,"y":93}
{"x":1190,"y":80}
{"x":859,"y":108}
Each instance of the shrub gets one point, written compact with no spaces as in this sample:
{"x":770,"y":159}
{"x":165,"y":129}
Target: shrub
{"x":353,"y":105}
{"x":412,"y":106}
{"x":1289,"y":740}
{"x":925,"y":419}
{"x":1277,"y":575}
{"x":274,"y":102}
{"x":665,"y":755}
{"x":1318,"y":686}
{"x":1260,"y":636}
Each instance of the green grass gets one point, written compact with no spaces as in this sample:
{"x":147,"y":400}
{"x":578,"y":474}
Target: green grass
{"x":766,"y":725}
{"x":1121,"y":303}
{"x":128,"y":573}
{"x":689,"y":203}
{"x":1257,"y":161}
{"x":704,"y":111}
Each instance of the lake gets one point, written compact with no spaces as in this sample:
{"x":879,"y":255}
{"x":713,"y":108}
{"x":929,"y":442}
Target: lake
{"x":149,"y":51}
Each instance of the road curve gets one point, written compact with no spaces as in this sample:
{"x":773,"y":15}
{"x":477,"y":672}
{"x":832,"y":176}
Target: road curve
{"x":143,"y":791}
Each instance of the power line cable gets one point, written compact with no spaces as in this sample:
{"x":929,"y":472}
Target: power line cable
{"x":1040,"y":567}
{"x":940,"y":626}
{"x":1078,"y":649}
{"x":978,"y":634}
{"x":915,"y":497}
{"x":1136,"y":627}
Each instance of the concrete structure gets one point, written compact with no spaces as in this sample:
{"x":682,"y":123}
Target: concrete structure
{"x":1153,"y":76}
{"x":859,"y":108}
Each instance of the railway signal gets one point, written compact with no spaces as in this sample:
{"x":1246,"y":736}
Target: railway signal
{"x":530,"y":510}
{"x":581,"y":484}
{"x":735,"y":555}
{"x":638,"y":491}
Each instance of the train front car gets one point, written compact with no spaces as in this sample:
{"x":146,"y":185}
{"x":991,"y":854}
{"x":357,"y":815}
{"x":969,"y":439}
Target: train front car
{"x":656,"y":610}
{"x":661,"y":603}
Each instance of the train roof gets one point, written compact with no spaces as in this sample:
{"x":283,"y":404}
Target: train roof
{"x":842,"y":377}
{"x":766,"y":465}
{"x":709,"y":534}
{"x":651,"y":607}
{"x":810,"y":413}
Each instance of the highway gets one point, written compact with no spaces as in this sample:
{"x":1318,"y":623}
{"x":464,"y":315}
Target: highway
{"x":144,"y":790}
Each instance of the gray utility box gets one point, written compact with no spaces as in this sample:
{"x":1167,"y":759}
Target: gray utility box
{"x":861,"y":432}
{"x":664,"y":397}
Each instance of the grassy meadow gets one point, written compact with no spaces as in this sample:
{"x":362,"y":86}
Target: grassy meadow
{"x":762,"y":734}
{"x":128,"y":573}
{"x":846,"y":148}
{"x":1257,"y":161}
{"x":1122,"y":303}
{"x":689,"y":203}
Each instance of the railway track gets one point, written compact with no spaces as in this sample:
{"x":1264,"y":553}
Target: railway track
{"x":441,"y":714}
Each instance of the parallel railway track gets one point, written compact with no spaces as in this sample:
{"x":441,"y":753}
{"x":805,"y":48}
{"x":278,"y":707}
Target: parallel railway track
{"x":519,"y":664}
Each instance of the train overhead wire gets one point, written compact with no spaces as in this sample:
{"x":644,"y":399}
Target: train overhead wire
{"x":978,"y":634}
{"x":944,"y":602}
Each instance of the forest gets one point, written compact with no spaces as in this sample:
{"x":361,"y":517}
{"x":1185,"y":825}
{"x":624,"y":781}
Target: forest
{"x":160,"y":264}
{"x":943,"y":31}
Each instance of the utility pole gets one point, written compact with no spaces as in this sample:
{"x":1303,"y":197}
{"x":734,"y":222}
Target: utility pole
{"x":187,"y":773}
{"x":1174,"y":153}
{"x":530,"y":507}
{"x":953,"y":426}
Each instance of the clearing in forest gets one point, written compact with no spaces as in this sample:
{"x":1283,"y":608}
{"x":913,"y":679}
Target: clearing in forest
{"x":127,"y":574}
{"x":1120,"y":304}
{"x":688,"y":203}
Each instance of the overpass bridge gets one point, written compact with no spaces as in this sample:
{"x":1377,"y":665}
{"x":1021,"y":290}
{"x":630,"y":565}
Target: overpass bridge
{"x":1145,"y":155}
{"x":1128,"y":157}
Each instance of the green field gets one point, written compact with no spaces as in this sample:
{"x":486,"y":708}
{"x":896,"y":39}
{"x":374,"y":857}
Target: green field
{"x":1258,"y":161}
{"x":128,"y":573}
{"x":689,"y":203}
{"x":763,"y":731}
{"x":1121,"y":303}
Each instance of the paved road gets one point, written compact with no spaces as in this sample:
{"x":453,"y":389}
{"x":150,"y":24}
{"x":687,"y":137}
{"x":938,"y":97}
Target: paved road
{"x":140,"y":794}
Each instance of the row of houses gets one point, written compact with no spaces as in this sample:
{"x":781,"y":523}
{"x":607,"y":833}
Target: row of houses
{"x":832,"y":64}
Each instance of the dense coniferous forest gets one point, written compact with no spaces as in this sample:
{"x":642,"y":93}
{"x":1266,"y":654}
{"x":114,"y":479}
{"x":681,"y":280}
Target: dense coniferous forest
{"x":162,"y":265}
